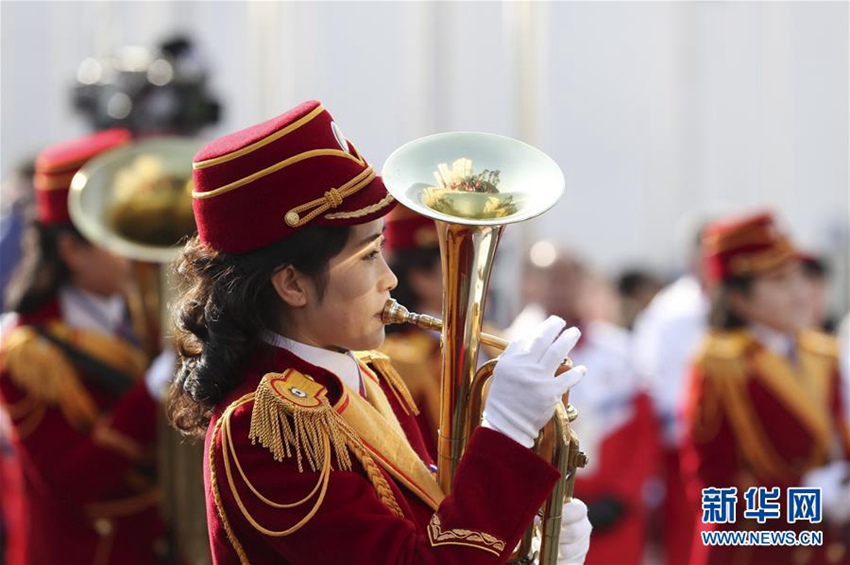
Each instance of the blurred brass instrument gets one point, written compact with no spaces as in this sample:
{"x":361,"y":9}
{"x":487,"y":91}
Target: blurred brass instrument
{"x":136,"y":201}
{"x":435,"y":176}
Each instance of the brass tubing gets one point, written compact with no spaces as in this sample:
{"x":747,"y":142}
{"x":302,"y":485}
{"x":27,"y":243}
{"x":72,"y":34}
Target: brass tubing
{"x":395,"y":313}
{"x":551,"y":526}
{"x":567,"y":458}
{"x":467,"y":259}
{"x":476,"y":395}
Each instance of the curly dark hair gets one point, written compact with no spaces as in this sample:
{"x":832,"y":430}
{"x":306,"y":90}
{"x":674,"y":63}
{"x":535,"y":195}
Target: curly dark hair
{"x":227,"y":302}
{"x":42,"y":271}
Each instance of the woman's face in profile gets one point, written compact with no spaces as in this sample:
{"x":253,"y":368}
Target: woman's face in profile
{"x":777,"y":299}
{"x":348,"y":315}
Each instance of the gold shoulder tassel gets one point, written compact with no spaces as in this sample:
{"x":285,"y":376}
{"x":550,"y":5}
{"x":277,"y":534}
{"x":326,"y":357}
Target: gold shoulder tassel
{"x":291,"y":413}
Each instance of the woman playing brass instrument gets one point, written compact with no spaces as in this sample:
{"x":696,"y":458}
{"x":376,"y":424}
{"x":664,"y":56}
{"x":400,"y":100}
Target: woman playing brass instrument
{"x":76,"y":388}
{"x":313,"y":453}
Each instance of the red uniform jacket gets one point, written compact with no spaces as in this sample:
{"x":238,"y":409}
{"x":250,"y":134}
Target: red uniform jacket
{"x":756,"y":420}
{"x":84,"y":453}
{"x":276,"y":494}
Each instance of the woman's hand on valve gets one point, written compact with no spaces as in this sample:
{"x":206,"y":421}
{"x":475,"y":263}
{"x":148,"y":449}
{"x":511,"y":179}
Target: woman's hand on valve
{"x":525,"y":391}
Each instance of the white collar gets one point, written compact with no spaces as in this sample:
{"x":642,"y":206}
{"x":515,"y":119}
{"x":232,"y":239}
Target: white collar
{"x":775,"y":341}
{"x":343,"y":365}
{"x":83,"y":310}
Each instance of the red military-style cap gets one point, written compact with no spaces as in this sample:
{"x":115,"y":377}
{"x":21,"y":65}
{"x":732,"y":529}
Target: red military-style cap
{"x":56,"y":166}
{"x":408,"y":230}
{"x":744,"y":247}
{"x":261,"y":184}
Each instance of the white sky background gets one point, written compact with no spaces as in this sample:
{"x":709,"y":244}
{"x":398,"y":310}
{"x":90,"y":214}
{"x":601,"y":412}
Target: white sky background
{"x":657,"y":112}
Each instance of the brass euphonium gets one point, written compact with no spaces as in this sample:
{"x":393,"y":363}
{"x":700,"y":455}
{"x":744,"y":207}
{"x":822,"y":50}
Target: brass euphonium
{"x":472,"y":185}
{"x":136,"y":201}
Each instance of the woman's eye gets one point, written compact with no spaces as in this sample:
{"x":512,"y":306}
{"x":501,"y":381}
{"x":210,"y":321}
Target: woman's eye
{"x":372,"y":255}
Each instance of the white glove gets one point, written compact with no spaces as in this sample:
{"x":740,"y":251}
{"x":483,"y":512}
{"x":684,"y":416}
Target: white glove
{"x":834,"y":482}
{"x":524,"y":390}
{"x":160,"y":373}
{"x":575,"y":533}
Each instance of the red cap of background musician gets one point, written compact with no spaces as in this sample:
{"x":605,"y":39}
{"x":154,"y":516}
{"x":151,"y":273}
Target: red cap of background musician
{"x":57,"y":165}
{"x":408,"y":230}
{"x":258,"y":185}
{"x":744,"y":247}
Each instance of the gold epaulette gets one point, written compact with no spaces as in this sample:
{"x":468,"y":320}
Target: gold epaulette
{"x":723,"y":353}
{"x":384,"y":367}
{"x":819,"y":343}
{"x":40,"y":369}
{"x":726,"y":344}
{"x":291,"y":417}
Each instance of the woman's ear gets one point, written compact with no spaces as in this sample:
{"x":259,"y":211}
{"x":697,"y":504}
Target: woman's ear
{"x":291,"y":286}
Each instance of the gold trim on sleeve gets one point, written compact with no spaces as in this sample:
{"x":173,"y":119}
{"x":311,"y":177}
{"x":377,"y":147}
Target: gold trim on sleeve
{"x":472,"y":538}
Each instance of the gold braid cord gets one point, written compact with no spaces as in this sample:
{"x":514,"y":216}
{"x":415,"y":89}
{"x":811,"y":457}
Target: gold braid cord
{"x":384,"y":367}
{"x":291,"y":416}
{"x":331,"y":199}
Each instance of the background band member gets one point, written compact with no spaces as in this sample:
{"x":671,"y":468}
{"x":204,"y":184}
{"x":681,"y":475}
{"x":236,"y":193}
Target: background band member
{"x":414,"y":257}
{"x":765,"y":403}
{"x":666,"y":337}
{"x":313,"y":452}
{"x":72,"y":383}
{"x":614,"y":414}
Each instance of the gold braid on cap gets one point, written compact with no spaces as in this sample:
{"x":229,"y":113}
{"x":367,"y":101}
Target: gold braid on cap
{"x":330,"y":200}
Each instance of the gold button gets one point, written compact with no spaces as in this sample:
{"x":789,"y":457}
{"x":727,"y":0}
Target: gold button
{"x":292,"y":219}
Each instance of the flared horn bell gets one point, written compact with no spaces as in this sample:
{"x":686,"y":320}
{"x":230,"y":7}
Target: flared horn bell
{"x":474,"y":179}
{"x":472,"y":185}
{"x":136,"y":201}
